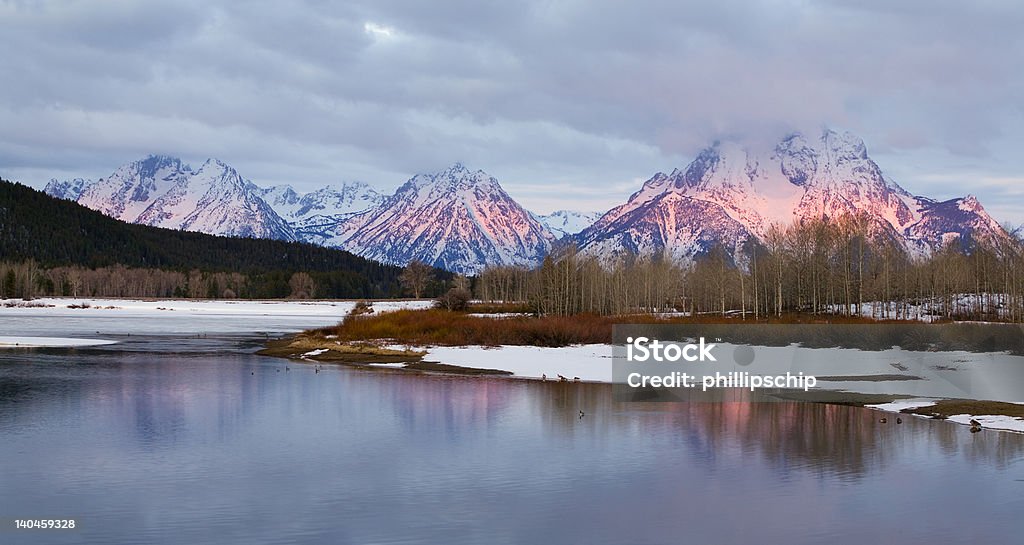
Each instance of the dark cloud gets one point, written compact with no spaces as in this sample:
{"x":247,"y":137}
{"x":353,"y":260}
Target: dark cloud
{"x":568,"y":103}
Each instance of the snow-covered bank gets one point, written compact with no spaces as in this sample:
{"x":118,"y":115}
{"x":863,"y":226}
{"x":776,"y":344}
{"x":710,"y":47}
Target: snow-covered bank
{"x":49,"y":342}
{"x":589,"y":362}
{"x":899,"y":405}
{"x":594,"y":363}
{"x":51,"y":305}
{"x":74,"y":317}
{"x":996,"y":422}
{"x":993,"y":421}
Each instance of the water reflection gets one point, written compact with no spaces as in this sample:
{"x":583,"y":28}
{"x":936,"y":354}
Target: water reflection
{"x":224,"y":446}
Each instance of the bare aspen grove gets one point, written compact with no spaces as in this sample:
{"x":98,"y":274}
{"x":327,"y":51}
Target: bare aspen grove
{"x":813,"y":267}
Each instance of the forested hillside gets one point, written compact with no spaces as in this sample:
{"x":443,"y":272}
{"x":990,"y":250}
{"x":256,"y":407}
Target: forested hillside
{"x":39,"y":233}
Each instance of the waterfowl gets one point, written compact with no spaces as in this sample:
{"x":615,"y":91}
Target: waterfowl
{"x":543,"y":377}
{"x":562,"y":379}
{"x":575,"y":379}
{"x":883,"y":420}
{"x":975,"y":423}
{"x":899,"y":420}
{"x":581,"y":414}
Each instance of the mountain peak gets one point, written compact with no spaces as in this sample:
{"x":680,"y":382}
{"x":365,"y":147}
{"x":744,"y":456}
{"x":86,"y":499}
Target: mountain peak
{"x":161,"y":158}
{"x":739,"y":192}
{"x":161,"y":191}
{"x":461,"y":171}
{"x":844,"y":146}
{"x":217,"y":164}
{"x":150,"y":169}
{"x":564,"y":223}
{"x":456,"y":178}
{"x":970,"y":204}
{"x":154,"y":163}
{"x":67,"y":189}
{"x":456,"y":219}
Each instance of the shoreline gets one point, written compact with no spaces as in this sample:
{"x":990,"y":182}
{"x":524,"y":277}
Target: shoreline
{"x":392,"y":358}
{"x":577,"y":363}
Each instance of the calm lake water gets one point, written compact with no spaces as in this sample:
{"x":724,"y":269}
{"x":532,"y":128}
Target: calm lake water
{"x":177,"y":439}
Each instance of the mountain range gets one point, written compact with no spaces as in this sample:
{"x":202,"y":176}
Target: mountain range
{"x":730,"y":195}
{"x":463,"y":220}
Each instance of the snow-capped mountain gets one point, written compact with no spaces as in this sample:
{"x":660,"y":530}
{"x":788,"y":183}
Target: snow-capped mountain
{"x":731,"y":195}
{"x":316,"y":216}
{"x":567,"y":222}
{"x":68,"y":190}
{"x":163,"y":192}
{"x":349,"y":198}
{"x":133,"y":187}
{"x":464,"y":221}
{"x":215,"y":199}
{"x":458,"y":220}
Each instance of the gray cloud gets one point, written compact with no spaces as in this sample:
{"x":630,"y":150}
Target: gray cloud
{"x":568,"y":103}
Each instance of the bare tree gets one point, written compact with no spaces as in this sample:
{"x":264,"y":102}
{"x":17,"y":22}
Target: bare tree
{"x":456,"y":299}
{"x":302,"y":286}
{"x":415,"y":277}
{"x":460,"y":281}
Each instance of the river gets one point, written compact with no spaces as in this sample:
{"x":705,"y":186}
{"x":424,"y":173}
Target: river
{"x":194,"y":439}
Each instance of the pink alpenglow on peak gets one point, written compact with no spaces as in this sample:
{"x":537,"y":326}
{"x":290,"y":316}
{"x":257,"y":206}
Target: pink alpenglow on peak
{"x":162,"y":191}
{"x":457,"y":219}
{"x":732,"y":195}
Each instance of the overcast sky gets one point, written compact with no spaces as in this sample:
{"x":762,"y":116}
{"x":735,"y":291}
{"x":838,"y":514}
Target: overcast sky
{"x":570,"y":104}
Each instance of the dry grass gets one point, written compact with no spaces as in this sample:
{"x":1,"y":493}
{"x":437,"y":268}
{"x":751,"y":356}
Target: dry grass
{"x":439,"y":327}
{"x":950,"y":407}
{"x":499,"y":308}
{"x":353,"y":352}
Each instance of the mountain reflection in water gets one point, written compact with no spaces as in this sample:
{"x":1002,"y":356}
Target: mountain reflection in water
{"x":179,"y":444}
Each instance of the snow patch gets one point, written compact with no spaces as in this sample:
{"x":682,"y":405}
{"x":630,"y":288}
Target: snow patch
{"x":589,"y":362}
{"x":85,"y":307}
{"x":996,"y":422}
{"x":49,"y":342}
{"x":899,"y":405}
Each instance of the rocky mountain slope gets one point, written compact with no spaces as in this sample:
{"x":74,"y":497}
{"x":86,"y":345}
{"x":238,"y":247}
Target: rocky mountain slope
{"x":463,"y":220}
{"x":732,"y":195}
{"x":164,"y":192}
{"x":563,"y":223}
{"x":457,"y":219}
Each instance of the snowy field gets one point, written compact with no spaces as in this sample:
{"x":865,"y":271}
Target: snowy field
{"x":590,"y":362}
{"x":81,"y":317}
{"x":52,"y":305}
{"x":49,"y":342}
{"x":930,"y":311}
